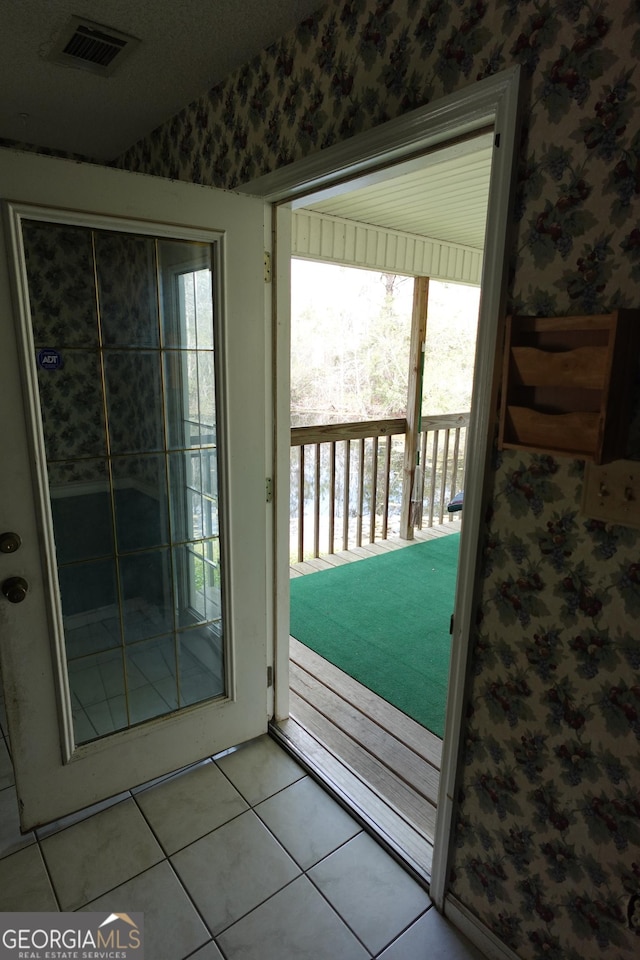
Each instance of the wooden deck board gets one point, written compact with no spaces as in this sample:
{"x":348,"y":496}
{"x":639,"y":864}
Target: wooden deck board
{"x":320,"y":563}
{"x":398,"y":795}
{"x":425,"y":743}
{"x":375,"y":740}
{"x":335,"y":559}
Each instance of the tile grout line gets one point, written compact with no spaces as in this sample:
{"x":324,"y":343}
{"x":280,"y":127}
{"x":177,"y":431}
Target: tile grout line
{"x":303,"y":871}
{"x":334,"y":910}
{"x":404,"y":930}
{"x":174,"y":871}
{"x":245,"y":798}
{"x":194,"y":953}
{"x":195,"y":907}
{"x":48,"y":872}
{"x":177,"y":875}
{"x":250,"y":809}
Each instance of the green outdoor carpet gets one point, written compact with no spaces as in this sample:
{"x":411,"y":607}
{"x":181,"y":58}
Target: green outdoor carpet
{"x":385,"y":622}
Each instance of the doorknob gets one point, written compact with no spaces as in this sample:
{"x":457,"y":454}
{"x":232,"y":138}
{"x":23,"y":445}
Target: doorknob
{"x":15,"y":589}
{"x":9,"y":542}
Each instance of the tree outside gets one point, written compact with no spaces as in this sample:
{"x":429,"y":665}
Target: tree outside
{"x":350,"y":333}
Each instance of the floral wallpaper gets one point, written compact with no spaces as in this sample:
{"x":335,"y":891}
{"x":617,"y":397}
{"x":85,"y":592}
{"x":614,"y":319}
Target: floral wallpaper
{"x":59,"y":261}
{"x":548,"y":827}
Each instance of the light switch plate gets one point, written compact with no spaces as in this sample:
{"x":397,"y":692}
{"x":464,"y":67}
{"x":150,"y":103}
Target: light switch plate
{"x":611,"y":492}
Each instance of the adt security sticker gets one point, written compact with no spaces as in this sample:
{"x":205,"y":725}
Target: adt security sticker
{"x":50,"y":360}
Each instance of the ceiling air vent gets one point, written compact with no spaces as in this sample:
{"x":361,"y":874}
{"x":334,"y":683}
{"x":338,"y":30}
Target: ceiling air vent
{"x":92,"y":46}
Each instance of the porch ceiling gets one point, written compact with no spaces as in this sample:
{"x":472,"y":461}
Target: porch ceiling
{"x":442,"y":196}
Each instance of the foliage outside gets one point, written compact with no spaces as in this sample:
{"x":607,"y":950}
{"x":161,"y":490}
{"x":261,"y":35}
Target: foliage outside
{"x":350,"y":334}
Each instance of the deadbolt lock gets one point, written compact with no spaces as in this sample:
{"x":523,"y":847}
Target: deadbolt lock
{"x":15,"y":589}
{"x":9,"y":542}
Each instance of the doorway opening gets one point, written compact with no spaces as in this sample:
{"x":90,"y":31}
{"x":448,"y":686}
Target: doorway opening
{"x":370,"y":645}
{"x":378,"y":357}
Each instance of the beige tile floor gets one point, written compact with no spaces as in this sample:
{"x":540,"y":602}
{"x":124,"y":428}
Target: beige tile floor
{"x":242,"y":857}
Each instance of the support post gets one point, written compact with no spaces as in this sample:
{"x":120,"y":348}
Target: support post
{"x":414,"y":399}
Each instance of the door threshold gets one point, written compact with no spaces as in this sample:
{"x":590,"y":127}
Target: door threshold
{"x":379,"y":818}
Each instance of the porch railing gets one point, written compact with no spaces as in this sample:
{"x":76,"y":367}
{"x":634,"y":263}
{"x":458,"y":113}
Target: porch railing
{"x":348,"y":482}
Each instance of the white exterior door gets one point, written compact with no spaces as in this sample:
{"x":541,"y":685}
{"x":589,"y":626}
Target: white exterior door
{"x":134,"y":362}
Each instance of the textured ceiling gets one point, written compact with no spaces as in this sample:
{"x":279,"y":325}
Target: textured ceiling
{"x":187,"y":46}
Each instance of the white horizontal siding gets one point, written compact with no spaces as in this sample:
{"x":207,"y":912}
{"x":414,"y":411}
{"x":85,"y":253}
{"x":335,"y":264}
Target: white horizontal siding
{"x":318,"y":236}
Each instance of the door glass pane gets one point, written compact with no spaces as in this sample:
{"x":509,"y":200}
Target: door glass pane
{"x":152,"y":671}
{"x":71,"y":403}
{"x":140,"y":498}
{"x":83,"y":528}
{"x":125,"y":261}
{"x":123,"y":329}
{"x":145,"y":581}
{"x":133,"y":382}
{"x":98,"y":697}
{"x":61,"y":284}
{"x":200,"y":661}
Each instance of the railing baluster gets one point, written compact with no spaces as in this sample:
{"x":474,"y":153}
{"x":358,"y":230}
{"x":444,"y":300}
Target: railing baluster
{"x":386,"y":488}
{"x":301,"y":506}
{"x":332,"y":495}
{"x":445,"y":465}
{"x":374,"y":489}
{"x":454,"y":473}
{"x":423,"y":463}
{"x":316,"y":505}
{"x":434,"y":474}
{"x":360,"y":491}
{"x":345,"y":513}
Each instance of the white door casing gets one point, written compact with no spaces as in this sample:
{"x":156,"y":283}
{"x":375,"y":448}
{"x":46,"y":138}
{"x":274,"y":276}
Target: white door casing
{"x":492,"y":102}
{"x":54,"y":776}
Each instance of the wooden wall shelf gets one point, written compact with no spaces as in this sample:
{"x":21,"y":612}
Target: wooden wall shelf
{"x":567,"y":384}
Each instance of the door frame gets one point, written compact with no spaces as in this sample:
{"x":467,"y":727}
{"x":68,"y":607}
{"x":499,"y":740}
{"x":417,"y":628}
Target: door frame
{"x":494,"y":101}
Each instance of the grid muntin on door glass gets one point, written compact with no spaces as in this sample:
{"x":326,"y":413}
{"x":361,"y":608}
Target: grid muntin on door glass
{"x":123,"y":329}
